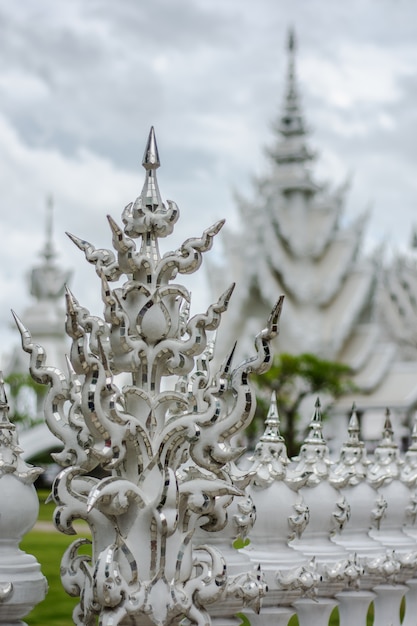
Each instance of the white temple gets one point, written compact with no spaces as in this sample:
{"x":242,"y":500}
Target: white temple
{"x":45,"y":316}
{"x":339,"y":304}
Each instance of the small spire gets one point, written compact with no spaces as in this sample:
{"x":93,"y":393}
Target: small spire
{"x":353,"y":428}
{"x":49,"y":251}
{"x":47,"y":280}
{"x":150,"y":159}
{"x":388,"y":433}
{"x":291,"y":146}
{"x":272,"y":423}
{"x":316,"y":427}
{"x":351,"y":468}
{"x":291,"y":40}
{"x":270,"y":458}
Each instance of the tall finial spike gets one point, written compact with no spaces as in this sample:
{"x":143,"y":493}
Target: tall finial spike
{"x":151,"y":157}
{"x":150,"y":196}
{"x":291,"y":123}
{"x":291,"y":40}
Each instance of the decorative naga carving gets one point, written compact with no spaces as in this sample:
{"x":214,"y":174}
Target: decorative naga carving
{"x":165,"y":448}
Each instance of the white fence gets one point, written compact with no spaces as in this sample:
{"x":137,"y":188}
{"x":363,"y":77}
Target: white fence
{"x":165,"y":519}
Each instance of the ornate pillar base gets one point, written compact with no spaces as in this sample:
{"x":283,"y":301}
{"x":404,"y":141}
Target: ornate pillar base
{"x":273,"y":616}
{"x":387,"y":604}
{"x":410,"y":603}
{"x":314,"y":612}
{"x":353,"y":607}
{"x":22,"y":585}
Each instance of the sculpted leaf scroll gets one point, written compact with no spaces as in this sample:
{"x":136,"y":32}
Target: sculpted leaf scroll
{"x":143,"y":408}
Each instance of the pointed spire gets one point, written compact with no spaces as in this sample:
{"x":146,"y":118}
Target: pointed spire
{"x":24,"y":332}
{"x":351,"y":468}
{"x":316,"y":427}
{"x":353,"y":428}
{"x":291,"y":122}
{"x":150,"y":196}
{"x":272,"y":423}
{"x":270,"y":458}
{"x":386,"y":462}
{"x":49,"y":251}
{"x":291,"y":146}
{"x":291,"y":40}
{"x":150,"y":159}
{"x":387,"y":433}
{"x":47,"y":280}
{"x":227,"y":363}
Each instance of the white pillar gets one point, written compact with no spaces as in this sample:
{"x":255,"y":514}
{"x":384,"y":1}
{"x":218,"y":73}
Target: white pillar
{"x":22,"y":585}
{"x":353,"y":607}
{"x":314,"y":612}
{"x":387,"y":604}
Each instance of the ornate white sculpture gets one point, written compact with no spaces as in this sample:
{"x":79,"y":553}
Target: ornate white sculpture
{"x":167,"y":449}
{"x":22,"y":584}
{"x":147,"y":423}
{"x":282,"y":515}
{"x":329,"y":513}
{"x":384,"y":474}
{"x":409,"y":477}
{"x":350,"y":474}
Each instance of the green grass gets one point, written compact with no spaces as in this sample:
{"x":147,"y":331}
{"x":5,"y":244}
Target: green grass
{"x":56,"y":609}
{"x":48,"y":547}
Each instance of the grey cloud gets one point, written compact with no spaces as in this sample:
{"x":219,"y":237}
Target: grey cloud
{"x":92,"y":84}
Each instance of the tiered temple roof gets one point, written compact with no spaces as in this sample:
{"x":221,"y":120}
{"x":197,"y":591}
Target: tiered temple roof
{"x":294,"y":241}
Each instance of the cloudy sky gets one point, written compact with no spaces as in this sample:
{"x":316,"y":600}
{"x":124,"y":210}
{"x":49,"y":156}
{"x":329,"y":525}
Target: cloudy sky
{"x":81,"y":82}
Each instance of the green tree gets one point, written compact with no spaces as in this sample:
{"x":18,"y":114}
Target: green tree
{"x":25,"y":398}
{"x":293,"y":378}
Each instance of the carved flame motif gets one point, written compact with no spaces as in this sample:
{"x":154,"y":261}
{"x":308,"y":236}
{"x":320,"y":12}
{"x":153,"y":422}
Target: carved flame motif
{"x":166,"y":448}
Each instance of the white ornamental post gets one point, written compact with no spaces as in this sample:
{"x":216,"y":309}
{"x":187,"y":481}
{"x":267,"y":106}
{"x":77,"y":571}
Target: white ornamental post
{"x":22,"y":584}
{"x":282,"y":515}
{"x":329,"y":512}
{"x":166,"y":448}
{"x":409,"y":478}
{"x":349,"y":475}
{"x":384,"y":476}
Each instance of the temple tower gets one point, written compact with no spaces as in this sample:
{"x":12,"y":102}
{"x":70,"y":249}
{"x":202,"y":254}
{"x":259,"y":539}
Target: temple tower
{"x":45,"y":315}
{"x":292,"y":241}
{"x":295,"y":238}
